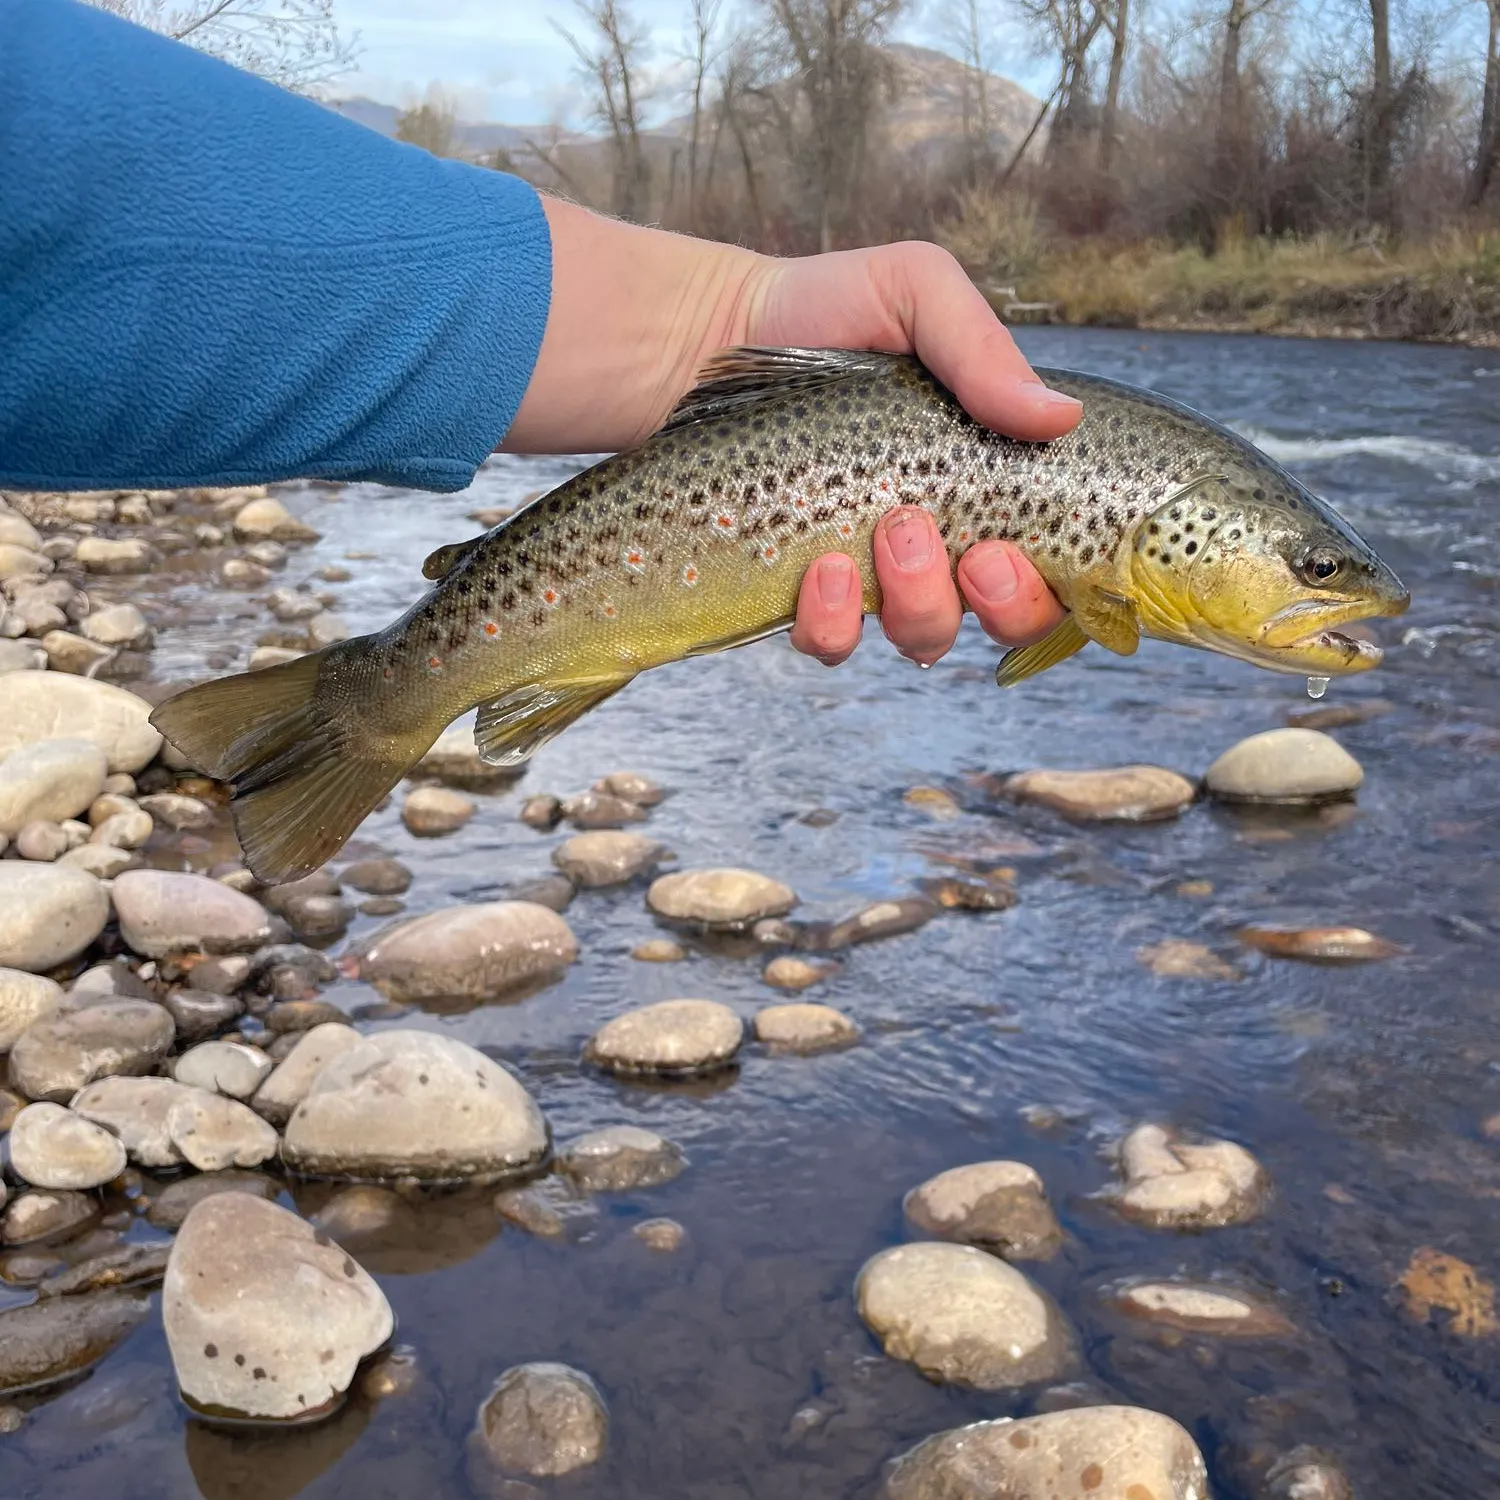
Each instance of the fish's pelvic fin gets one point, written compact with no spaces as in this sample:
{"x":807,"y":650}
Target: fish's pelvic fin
{"x":512,"y":728}
{"x":303,"y":777}
{"x":1057,"y":645}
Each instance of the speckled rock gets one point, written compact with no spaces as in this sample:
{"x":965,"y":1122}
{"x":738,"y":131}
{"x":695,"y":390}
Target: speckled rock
{"x":265,"y":1315}
{"x":55,"y":705}
{"x":1093,"y":1453}
{"x":56,"y":1057}
{"x":1126,"y":794}
{"x":414,"y":1104}
{"x":1000,"y":1205}
{"x":293,"y":1076}
{"x":50,"y":1147}
{"x":620,"y":1158}
{"x":727,"y":899}
{"x":432,"y":811}
{"x":1172,"y":1183}
{"x":963,"y":1317}
{"x":269,"y":520}
{"x":58,"y":1337}
{"x":212,"y":1132}
{"x":49,"y":779}
{"x":542,"y":1420}
{"x":137,"y":1110}
{"x":607,"y":857}
{"x":24,"y":998}
{"x":48,"y":914}
{"x":468,"y":951}
{"x":804,"y":1028}
{"x":166,"y":911}
{"x":673,"y":1037}
{"x":1284,"y":765}
{"x":223,"y":1068}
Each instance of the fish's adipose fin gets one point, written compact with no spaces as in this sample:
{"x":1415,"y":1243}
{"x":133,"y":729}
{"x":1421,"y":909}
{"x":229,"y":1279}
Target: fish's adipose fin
{"x":440,"y":562}
{"x":303,"y":777}
{"x":736,"y":378}
{"x":1057,"y":645}
{"x":512,"y":728}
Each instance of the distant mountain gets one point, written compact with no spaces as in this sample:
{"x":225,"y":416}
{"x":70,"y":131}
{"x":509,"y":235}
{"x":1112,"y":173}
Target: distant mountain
{"x":472,"y":139}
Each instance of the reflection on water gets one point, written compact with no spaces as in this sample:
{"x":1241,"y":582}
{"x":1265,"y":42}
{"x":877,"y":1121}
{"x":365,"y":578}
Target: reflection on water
{"x":1034,"y":1033}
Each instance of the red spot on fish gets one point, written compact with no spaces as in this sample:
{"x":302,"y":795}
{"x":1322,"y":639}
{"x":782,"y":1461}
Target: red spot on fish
{"x":550,"y":596}
{"x":724,"y":522}
{"x":490,"y":628}
{"x":885,"y":484}
{"x":388,"y":674}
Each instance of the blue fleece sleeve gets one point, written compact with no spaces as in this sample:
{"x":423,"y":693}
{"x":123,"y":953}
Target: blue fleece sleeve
{"x":207,"y":280}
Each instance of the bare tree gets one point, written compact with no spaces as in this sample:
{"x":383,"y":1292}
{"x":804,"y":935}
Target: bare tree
{"x":609,"y":58}
{"x":294,"y":43}
{"x":430,"y":124}
{"x":1116,"y":17}
{"x":1487,"y":153}
{"x":968,"y":25}
{"x":700,"y":52}
{"x":1068,"y":29}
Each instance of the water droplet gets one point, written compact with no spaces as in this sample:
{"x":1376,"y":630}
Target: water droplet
{"x":1316,"y":686}
{"x":925,"y":665}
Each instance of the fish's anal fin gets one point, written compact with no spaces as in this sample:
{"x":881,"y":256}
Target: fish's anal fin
{"x":1057,"y":645}
{"x":514,"y":727}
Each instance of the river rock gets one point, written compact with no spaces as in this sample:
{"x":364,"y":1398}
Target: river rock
{"x":659,"y":951}
{"x":882,"y":919}
{"x":21,"y":656}
{"x":1324,"y":945}
{"x":229,"y":1068}
{"x":963,"y":1317}
{"x":542,"y":812}
{"x":54,"y":705}
{"x":48,"y":914}
{"x":631,"y":786}
{"x":1284,"y":765}
{"x":177,"y":812}
{"x":804,"y":1028}
{"x":727,"y":899}
{"x":50,"y":1147}
{"x":56,"y":1057}
{"x":272,"y":656}
{"x":468,"y":951}
{"x":42,"y":841}
{"x":325,"y":628}
{"x":270,"y":520}
{"x":108,"y":555}
{"x":1305,"y":1473}
{"x":607,"y":857}
{"x":176,"y":1200}
{"x":43,"y":1215}
{"x":293,"y":1076}
{"x":24,"y":999}
{"x":790,"y":973}
{"x":541,"y":1419}
{"x":125,"y":830}
{"x":57,"y":1337}
{"x":1000,"y":1205}
{"x":377,"y":877}
{"x":265,"y":1315}
{"x":289,"y":605}
{"x":67,"y":652}
{"x":455,"y":760}
{"x":662,"y":1235}
{"x":166,"y":911}
{"x":1126,"y":794}
{"x":621,"y":1157}
{"x":212,"y":1132}
{"x":138,"y":1264}
{"x":118,"y":625}
{"x":1201,"y":1307}
{"x":672,"y":1037}
{"x":1093,"y":1453}
{"x":138,"y":1111}
{"x":22,"y":562}
{"x":413,"y":1104}
{"x":1171,"y":1183}
{"x":242,"y":573}
{"x":1179,"y":958}
{"x":102,"y":861}
{"x":431,"y":811}
{"x":50,"y":779}
{"x":594,"y":809}
{"x":17,"y":531}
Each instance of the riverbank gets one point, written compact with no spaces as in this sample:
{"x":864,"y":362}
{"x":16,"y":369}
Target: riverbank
{"x":1446,"y":291}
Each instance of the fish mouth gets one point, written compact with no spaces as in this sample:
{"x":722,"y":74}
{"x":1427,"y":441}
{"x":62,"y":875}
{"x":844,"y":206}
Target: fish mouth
{"x":1288,"y":645}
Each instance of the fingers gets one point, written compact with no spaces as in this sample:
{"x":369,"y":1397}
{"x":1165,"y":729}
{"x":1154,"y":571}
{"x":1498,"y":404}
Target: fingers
{"x":830,"y":613}
{"x":920,"y":612}
{"x":1008,"y":596}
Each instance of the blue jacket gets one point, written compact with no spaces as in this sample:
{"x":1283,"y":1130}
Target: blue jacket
{"x":207,"y":280}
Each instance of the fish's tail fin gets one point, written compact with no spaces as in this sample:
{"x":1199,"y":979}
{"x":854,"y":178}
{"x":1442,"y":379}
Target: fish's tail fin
{"x":304,"y":772}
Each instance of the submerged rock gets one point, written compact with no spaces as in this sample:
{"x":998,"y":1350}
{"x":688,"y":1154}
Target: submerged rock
{"x":963,"y":1317}
{"x":171,"y":1206}
{"x":620,"y":1158}
{"x":58,"y":1337}
{"x":607,"y":857}
{"x":672,"y":1037}
{"x":661,"y":1235}
{"x":883,"y":919}
{"x":1305,"y":1473}
{"x":269,"y":520}
{"x":265,"y":1315}
{"x":1171,"y":1183}
{"x":804,"y":1028}
{"x":1093,"y":1453}
{"x":55,"y":705}
{"x":50,"y":780}
{"x":1284,"y":765}
{"x":1201,"y":1307}
{"x":540,"y":1419}
{"x":1126,"y":794}
{"x":659,"y":951}
{"x":789,"y":973}
{"x":1439,"y":1288}
{"x":1324,"y":945}
{"x":1000,"y":1205}
{"x":412,"y":1104}
{"x":432,"y":811}
{"x":165,"y":911}
{"x":725,"y":899}
{"x":1178,"y":958}
{"x":56,"y":1057}
{"x":43,"y":1214}
{"x":48,"y":914}
{"x":51,"y":1147}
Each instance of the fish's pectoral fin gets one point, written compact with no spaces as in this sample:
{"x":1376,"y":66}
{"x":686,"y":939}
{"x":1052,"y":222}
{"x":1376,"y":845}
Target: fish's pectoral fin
{"x":1109,"y":619}
{"x":513,"y":727}
{"x":1057,"y":645}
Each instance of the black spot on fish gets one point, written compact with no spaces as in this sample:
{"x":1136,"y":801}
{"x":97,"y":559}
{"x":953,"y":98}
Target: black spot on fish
{"x":1191,"y":548}
{"x":1258,"y":493}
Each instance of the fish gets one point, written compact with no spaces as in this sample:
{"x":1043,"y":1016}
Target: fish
{"x":1147,"y":520}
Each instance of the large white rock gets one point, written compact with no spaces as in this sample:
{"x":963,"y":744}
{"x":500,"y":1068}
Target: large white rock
{"x":670,"y":1037}
{"x":1173,"y":1183}
{"x":57,"y":705}
{"x":115,"y":555}
{"x":24,"y":998}
{"x":48,"y":913}
{"x":51,"y":1147}
{"x":57,"y":1056}
{"x":139,"y":1111}
{"x":1284,"y":765}
{"x":413,"y":1104}
{"x":168,"y":911}
{"x":294,"y":1075}
{"x":51,"y":780}
{"x":1122,"y":794}
{"x":17,"y":531}
{"x":213,"y":1132}
{"x":265,"y":1316}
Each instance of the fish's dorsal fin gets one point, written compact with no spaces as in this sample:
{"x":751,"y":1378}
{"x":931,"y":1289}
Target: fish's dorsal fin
{"x":441,"y":562}
{"x":736,"y":378}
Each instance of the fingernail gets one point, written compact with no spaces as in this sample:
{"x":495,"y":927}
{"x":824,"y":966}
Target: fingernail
{"x":1044,"y":395}
{"x":992,"y":575}
{"x":835,"y":578}
{"x":910,"y":540}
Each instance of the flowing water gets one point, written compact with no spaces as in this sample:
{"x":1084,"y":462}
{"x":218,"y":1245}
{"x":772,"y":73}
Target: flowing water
{"x":737,"y":1367}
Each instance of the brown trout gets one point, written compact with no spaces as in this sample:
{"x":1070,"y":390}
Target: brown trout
{"x":1147,"y":519}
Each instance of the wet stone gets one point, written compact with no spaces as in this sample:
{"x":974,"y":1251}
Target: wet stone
{"x":546,"y":1209}
{"x":272,"y":656}
{"x":137,"y":1110}
{"x":22,"y":562}
{"x":963,"y":1317}
{"x":1442,"y":1290}
{"x":1127,"y":794}
{"x":212,"y":1132}
{"x":555,"y":892}
{"x":241,"y":573}
{"x":268,"y":554}
{"x":50,"y":1340}
{"x":672,"y":1037}
{"x":36,"y":1216}
{"x":21,"y":656}
{"x":1092,"y":1453}
{"x":804,"y":1028}
{"x":199,"y":1014}
{"x":302,"y":1015}
{"x":600,"y":810}
{"x":265,"y":1315}
{"x":289,"y":604}
{"x":42,"y":841}
{"x":382,"y":906}
{"x":223,"y":1068}
{"x":178,"y":812}
{"x":56,"y":1057}
{"x":67,"y":652}
{"x":631,"y":786}
{"x":999,"y":1205}
{"x":24,"y":999}
{"x":50,"y":779}
{"x":1285,"y":766}
{"x":124,"y":830}
{"x":607,"y":857}
{"x":53,"y":705}
{"x":377,"y":877}
{"x":50,"y":1147}
{"x":662,"y":1235}
{"x":129,"y":1265}
{"x":1201,"y":1307}
{"x":293,"y":1076}
{"x":1172,"y":1183}
{"x":432,"y":811}
{"x":542,"y":812}
{"x":455,"y":761}
{"x":659,"y":951}
{"x":117,"y":625}
{"x":542,"y":1420}
{"x":176,"y":1200}
{"x":223,"y":975}
{"x":954,"y":894}
{"x":318,"y":918}
{"x":789,"y":973}
{"x":1326,"y":945}
{"x":105,"y":555}
{"x":269,"y":520}
{"x":1305,"y":1473}
{"x":1179,"y":958}
{"x":48,"y":914}
{"x":165,"y":911}
{"x":882,"y":920}
{"x":361,"y":1212}
{"x":621,"y":1158}
{"x":724,"y":899}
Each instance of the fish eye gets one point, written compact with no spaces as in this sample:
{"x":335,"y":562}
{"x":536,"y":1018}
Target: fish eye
{"x":1321,"y":565}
